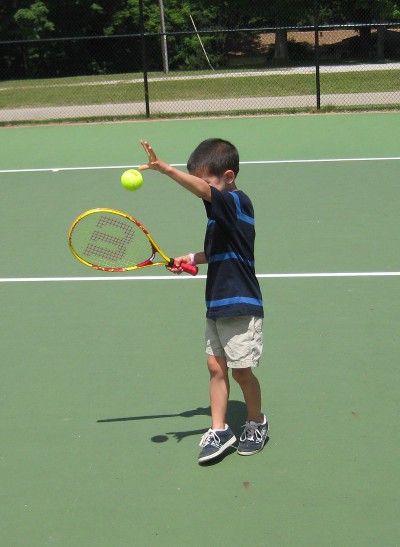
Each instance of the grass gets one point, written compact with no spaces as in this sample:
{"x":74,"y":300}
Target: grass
{"x":129,"y":87}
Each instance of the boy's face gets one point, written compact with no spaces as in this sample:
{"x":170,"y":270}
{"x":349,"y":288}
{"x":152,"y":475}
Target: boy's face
{"x":225,"y":182}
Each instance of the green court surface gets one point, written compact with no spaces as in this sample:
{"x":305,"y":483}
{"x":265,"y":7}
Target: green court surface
{"x":104,"y":383}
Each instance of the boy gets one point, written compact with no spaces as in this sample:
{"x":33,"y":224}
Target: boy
{"x":234,"y":304}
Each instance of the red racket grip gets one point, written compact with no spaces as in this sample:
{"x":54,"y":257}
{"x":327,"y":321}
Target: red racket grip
{"x":188,"y":268}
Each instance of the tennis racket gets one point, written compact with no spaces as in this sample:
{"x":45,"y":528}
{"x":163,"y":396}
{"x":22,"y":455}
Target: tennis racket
{"x":112,"y":241}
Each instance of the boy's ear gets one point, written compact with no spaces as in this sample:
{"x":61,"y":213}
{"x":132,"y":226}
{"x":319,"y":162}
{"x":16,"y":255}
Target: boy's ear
{"x":229,"y":176}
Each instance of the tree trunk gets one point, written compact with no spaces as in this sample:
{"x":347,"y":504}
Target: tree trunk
{"x":380,"y":51}
{"x":281,"y":49}
{"x":365,"y":42}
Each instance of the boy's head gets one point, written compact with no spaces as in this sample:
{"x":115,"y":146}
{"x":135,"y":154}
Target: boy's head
{"x":214,"y":157}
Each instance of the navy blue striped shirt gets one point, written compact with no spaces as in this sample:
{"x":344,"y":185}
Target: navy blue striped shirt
{"x":232,"y":287}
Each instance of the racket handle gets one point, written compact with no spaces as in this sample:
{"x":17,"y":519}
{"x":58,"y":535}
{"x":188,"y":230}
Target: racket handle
{"x":188,"y":268}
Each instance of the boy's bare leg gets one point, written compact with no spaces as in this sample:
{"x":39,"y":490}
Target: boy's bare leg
{"x":219,"y":390}
{"x":250,"y":387}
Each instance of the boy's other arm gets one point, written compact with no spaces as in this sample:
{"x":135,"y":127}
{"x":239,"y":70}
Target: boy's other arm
{"x":196,"y":185}
{"x":199,"y":258}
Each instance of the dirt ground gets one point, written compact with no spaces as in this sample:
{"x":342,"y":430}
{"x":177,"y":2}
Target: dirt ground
{"x":334,"y":44}
{"x":325,"y":37}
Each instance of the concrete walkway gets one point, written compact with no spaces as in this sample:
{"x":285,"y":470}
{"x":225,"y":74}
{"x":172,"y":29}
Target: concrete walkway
{"x":197,"y":106}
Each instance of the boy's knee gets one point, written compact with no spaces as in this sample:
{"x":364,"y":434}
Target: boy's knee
{"x":217,"y":365}
{"x":241,"y":375}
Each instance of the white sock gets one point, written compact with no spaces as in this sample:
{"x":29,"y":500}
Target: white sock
{"x":225,"y":428}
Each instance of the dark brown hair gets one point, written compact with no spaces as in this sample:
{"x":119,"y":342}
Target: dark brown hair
{"x":216,"y":156}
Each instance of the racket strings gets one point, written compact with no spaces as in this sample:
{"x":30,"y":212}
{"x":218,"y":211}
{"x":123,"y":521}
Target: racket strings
{"x":107,"y":254}
{"x":113,"y":221}
{"x":118,"y":244}
{"x":109,"y":240}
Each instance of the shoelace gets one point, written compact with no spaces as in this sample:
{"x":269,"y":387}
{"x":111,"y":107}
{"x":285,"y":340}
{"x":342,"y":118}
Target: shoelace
{"x":251,"y":432}
{"x":210,"y":437}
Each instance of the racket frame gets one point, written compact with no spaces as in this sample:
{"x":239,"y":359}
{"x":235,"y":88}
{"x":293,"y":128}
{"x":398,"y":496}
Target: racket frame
{"x":168,"y":262}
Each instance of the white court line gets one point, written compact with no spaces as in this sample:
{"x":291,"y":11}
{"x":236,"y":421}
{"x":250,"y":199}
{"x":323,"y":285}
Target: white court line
{"x":184,"y":278}
{"x":261,"y":162}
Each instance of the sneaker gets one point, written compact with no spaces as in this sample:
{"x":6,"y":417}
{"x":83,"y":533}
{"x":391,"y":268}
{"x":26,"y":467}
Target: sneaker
{"x":215,"y":442}
{"x":253,"y":438}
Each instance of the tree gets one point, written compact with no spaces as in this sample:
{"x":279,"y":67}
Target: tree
{"x":33,"y":24}
{"x":363,"y":12}
{"x":36,"y":19}
{"x":33,"y":21}
{"x":286,"y":13}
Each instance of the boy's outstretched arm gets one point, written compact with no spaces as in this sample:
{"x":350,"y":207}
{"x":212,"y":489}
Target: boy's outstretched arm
{"x":196,"y":185}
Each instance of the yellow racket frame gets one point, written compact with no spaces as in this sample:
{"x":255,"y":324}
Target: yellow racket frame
{"x":155,"y":248}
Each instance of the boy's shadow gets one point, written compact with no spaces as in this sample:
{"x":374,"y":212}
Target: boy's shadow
{"x":236,"y":417}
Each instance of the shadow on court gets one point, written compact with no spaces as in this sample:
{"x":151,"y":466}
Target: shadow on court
{"x":236,"y":417}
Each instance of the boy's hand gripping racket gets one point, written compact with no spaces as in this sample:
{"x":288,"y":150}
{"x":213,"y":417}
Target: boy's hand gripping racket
{"x":112,"y":241}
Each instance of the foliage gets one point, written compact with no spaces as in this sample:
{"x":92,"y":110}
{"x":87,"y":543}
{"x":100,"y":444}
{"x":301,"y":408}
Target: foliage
{"x":33,"y":22}
{"x":359,"y":11}
{"x":62,"y":18}
{"x":37,"y":19}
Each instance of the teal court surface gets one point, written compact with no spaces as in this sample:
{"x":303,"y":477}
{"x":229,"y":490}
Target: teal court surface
{"x":104,"y":387}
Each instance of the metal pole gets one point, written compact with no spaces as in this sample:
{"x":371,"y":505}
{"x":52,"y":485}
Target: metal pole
{"x":317,"y":74}
{"x":144,"y":59}
{"x":164,"y":49}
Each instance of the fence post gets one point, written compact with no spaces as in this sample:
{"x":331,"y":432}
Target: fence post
{"x":144,"y":59}
{"x":316,"y":47}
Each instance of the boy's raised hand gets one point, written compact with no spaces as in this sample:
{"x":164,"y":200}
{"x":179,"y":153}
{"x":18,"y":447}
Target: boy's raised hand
{"x":194,"y":184}
{"x":154,"y":163}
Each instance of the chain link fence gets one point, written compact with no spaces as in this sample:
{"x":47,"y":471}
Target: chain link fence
{"x":197,"y":72}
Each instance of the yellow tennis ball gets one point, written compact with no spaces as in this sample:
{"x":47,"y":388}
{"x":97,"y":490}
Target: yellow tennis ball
{"x":132,"y":179}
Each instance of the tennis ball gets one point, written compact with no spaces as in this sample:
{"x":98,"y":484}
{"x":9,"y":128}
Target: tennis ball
{"x":132,"y":179}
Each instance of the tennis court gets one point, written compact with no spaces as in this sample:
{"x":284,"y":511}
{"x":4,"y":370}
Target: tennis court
{"x":104,"y":383}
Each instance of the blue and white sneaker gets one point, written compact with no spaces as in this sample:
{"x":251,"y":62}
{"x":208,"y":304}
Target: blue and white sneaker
{"x":214,"y":442}
{"x":253,"y":438}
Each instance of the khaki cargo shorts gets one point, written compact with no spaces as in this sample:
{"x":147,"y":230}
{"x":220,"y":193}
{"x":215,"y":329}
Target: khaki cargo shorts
{"x":239,"y":339}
